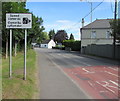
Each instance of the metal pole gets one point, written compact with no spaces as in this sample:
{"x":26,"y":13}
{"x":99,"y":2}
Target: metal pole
{"x":10,"y":68}
{"x":25,"y":54}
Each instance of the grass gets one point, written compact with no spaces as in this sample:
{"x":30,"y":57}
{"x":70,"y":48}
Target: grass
{"x":16,"y":87}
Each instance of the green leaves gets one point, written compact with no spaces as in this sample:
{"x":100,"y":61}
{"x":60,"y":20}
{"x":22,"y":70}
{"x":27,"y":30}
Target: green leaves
{"x":115,"y":26}
{"x":60,"y":36}
{"x":34,"y":34}
{"x":74,"y":45}
{"x":51,"y":33}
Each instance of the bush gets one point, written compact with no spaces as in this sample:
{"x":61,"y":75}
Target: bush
{"x":62,"y":47}
{"x":74,"y":45}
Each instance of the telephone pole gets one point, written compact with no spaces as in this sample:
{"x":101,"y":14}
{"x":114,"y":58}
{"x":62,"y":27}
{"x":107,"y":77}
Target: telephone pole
{"x":114,"y":39}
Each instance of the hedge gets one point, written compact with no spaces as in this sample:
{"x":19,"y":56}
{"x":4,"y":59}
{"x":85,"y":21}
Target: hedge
{"x":74,"y":45}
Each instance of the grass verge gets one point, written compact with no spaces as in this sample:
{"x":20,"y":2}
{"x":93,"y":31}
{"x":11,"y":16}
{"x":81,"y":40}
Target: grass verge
{"x":16,"y":87}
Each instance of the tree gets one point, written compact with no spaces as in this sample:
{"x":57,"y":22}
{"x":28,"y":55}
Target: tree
{"x":60,"y":36}
{"x":6,"y":8}
{"x":43,"y":36}
{"x":18,"y":7}
{"x":51,"y":34}
{"x":11,"y":7}
{"x":115,"y":26}
{"x":71,"y":37}
{"x":35,"y":33}
{"x":18,"y":34}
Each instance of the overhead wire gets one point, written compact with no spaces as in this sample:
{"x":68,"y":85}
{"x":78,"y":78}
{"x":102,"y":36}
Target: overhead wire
{"x":85,"y":16}
{"x":111,"y":6}
{"x":93,"y":9}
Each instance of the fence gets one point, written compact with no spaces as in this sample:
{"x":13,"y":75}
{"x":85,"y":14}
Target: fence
{"x":102,"y":50}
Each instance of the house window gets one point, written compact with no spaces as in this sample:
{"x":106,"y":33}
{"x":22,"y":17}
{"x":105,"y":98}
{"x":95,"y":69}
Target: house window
{"x":93,"y":34}
{"x":108,"y":35}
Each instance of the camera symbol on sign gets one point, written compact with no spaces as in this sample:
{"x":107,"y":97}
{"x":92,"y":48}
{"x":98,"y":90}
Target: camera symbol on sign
{"x":26,"y":21}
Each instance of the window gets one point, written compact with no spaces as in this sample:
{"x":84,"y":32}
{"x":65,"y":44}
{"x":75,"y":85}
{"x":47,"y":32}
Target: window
{"x":93,"y":34}
{"x":108,"y":35}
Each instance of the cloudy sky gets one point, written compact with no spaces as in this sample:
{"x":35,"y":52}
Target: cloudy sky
{"x":68,"y":15}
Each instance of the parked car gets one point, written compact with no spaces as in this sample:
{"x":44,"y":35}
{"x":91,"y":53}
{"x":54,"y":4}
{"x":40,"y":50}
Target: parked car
{"x":36,"y":45}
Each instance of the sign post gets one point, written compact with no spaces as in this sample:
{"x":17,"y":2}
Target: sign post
{"x":10,"y":68}
{"x":25,"y":54}
{"x":18,"y":21}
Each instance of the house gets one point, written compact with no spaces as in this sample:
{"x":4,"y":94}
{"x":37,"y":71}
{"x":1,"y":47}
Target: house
{"x":97,"y":32}
{"x":48,"y":44}
{"x":96,"y":40}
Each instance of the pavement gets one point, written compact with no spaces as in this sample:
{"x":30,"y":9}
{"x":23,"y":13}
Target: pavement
{"x":69,"y":75}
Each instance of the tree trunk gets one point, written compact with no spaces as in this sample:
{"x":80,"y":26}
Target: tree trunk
{"x":15,"y":48}
{"x":6,"y":56}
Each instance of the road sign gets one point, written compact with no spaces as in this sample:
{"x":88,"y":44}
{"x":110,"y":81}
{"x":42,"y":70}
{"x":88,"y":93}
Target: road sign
{"x":18,"y":20}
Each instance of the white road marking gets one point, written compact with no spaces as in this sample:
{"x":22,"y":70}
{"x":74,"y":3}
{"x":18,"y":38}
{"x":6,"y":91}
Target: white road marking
{"x":113,"y":68}
{"x":87,"y":70}
{"x":90,"y":84}
{"x":106,"y":86}
{"x":114,"y":83}
{"x":111,"y":74}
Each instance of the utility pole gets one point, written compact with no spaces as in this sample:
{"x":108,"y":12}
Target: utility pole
{"x":114,"y":39}
{"x":91,"y":25}
{"x":91,"y":11}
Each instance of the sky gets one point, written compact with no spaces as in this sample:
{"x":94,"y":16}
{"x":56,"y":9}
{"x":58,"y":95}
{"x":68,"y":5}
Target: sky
{"x":67,"y":15}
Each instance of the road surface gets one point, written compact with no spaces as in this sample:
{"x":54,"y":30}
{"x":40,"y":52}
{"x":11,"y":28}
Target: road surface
{"x":68,"y":75}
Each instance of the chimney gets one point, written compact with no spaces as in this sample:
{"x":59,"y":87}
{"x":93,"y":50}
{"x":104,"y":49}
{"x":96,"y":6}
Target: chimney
{"x":82,"y":22}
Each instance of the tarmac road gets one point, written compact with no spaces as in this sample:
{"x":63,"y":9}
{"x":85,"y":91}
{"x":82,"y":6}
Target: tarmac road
{"x":65,"y":75}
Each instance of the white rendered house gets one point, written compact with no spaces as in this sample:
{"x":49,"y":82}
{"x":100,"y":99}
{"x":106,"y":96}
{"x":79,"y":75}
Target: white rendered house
{"x":48,"y":44}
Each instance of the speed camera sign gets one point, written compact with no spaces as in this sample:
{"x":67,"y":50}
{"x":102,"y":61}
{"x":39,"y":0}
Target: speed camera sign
{"x":18,"y":20}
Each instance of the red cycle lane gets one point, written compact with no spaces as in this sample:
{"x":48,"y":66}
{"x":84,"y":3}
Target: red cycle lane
{"x":100,"y":82}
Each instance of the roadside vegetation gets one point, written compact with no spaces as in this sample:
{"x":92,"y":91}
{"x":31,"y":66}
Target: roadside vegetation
{"x":16,"y":87}
{"x":72,"y":44}
{"x":34,"y":35}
